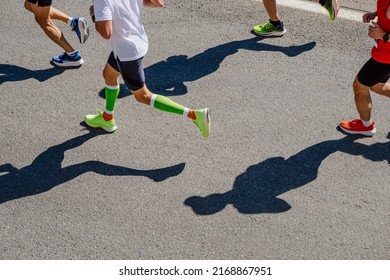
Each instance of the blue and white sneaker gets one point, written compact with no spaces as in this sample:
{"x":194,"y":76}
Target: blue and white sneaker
{"x":65,"y":60}
{"x":80,"y":26}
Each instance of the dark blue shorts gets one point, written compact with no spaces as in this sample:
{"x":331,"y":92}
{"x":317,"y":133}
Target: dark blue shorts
{"x":41,"y":3}
{"x":132,"y":71}
{"x":373,"y":72}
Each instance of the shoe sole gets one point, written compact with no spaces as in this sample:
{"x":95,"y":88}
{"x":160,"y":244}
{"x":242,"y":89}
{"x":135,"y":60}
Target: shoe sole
{"x":108,"y":129}
{"x":335,"y":10}
{"x":336,"y":7}
{"x":84,"y":30}
{"x":69,"y":64}
{"x":112,"y":129}
{"x":207,"y":120}
{"x":365,"y":133}
{"x":271,"y":34}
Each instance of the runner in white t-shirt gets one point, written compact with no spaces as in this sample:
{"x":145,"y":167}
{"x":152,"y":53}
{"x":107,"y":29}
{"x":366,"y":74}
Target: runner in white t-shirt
{"x":128,"y":39}
{"x":119,"y":21}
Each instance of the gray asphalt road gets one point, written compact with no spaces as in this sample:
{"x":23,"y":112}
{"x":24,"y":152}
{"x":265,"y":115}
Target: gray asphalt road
{"x":275,"y":180}
{"x":359,"y":5}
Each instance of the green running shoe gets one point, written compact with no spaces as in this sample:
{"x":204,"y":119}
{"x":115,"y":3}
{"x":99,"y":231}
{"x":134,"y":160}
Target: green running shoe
{"x":268,"y":29}
{"x":203,"y":121}
{"x":332,"y":7}
{"x":98,"y":121}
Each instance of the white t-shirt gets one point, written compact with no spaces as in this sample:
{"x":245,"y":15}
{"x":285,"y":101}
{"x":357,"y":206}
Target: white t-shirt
{"x":128,"y":40}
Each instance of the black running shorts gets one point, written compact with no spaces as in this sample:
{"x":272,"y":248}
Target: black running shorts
{"x":41,"y":3}
{"x":373,"y":72}
{"x":132,"y":71}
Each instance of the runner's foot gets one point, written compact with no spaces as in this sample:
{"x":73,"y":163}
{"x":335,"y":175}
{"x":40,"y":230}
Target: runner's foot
{"x":65,"y":60}
{"x":203,"y":121}
{"x":332,"y":7}
{"x":99,"y":121}
{"x":356,"y":127}
{"x":80,"y":26}
{"x":268,"y":29}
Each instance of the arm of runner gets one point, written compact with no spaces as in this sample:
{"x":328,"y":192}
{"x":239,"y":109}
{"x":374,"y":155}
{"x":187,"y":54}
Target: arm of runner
{"x":104,"y":28}
{"x":154,"y":3}
{"x":103,"y":18}
{"x":367,"y":17}
{"x":91,"y":13}
{"x":375,"y":31}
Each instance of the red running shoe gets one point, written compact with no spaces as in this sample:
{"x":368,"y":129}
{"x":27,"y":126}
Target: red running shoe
{"x":356,"y":127}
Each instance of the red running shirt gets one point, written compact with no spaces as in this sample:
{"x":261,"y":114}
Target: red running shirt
{"x":381,"y":52}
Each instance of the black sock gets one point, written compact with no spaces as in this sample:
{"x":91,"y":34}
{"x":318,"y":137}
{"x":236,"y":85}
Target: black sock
{"x":322,"y":2}
{"x":275,"y":23}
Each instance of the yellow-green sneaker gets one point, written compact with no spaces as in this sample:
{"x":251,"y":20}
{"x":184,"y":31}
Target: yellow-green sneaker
{"x":99,"y":121}
{"x":332,"y":7}
{"x":203,"y":121}
{"x":269,"y":30}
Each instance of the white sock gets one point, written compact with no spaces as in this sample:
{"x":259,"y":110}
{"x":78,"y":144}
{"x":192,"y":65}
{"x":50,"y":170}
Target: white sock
{"x":70,"y":22}
{"x":108,"y":112}
{"x":367,"y":123}
{"x":186,"y":111}
{"x":71,"y":53}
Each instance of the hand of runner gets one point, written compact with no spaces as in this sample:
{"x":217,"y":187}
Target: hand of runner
{"x":375,"y":31}
{"x":367,"y":17}
{"x":92,"y":13}
{"x":154,"y":3}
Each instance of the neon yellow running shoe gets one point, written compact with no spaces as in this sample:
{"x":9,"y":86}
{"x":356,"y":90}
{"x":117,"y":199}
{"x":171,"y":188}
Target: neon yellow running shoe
{"x":332,"y":7}
{"x":203,"y":121}
{"x":269,"y":30}
{"x":99,"y":121}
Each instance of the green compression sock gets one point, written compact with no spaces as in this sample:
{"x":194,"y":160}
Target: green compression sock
{"x":112,"y":93}
{"x":167,"y":105}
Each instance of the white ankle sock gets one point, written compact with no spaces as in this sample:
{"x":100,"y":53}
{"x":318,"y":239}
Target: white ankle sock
{"x":71,"y":53}
{"x":367,"y":123}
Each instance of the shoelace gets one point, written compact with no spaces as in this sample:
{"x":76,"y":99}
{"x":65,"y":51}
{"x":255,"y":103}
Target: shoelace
{"x":267,"y":25}
{"x":61,"y":56}
{"x":355,"y":122}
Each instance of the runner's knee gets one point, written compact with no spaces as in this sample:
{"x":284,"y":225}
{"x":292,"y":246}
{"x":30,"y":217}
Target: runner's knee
{"x":357,"y":86}
{"x":110,"y":77}
{"x":142,"y":96}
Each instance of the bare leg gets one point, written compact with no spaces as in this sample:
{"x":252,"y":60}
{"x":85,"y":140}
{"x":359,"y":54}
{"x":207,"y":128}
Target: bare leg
{"x":43,"y":18}
{"x":362,"y":100}
{"x":382,"y":89}
{"x":270,"y":6}
{"x":54,"y":13}
{"x":58,"y":15}
{"x":110,"y":75}
{"x":143,"y":95}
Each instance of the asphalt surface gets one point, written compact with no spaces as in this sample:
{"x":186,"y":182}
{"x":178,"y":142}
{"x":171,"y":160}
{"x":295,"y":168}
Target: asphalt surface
{"x":275,"y":179}
{"x":358,"y":5}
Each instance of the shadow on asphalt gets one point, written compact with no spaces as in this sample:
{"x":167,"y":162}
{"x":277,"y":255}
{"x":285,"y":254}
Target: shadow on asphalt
{"x":46,"y":172}
{"x":257,"y":189}
{"x":13,"y":73}
{"x":168,"y":77}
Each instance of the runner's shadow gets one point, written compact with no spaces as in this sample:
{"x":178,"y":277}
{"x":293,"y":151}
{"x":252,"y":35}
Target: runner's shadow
{"x":257,"y":189}
{"x":46,"y":171}
{"x":168,"y":77}
{"x":13,"y":73}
